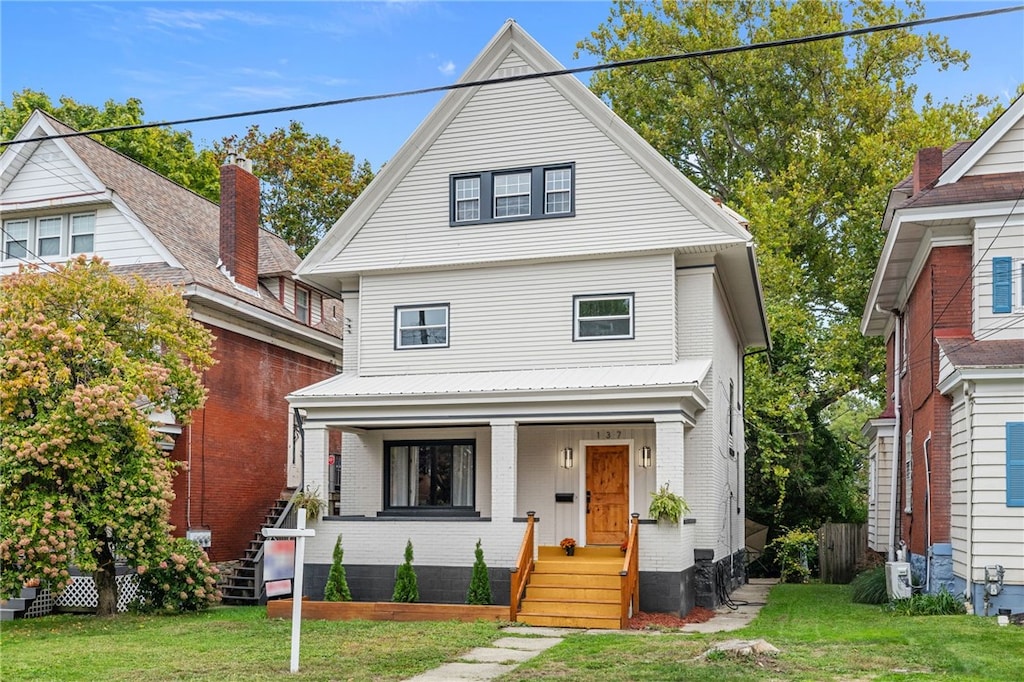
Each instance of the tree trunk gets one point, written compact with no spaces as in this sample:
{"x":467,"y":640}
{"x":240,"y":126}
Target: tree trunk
{"x":105,"y":577}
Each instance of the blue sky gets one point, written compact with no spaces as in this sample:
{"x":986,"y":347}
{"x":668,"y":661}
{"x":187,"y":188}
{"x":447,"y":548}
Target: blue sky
{"x":190,"y":59}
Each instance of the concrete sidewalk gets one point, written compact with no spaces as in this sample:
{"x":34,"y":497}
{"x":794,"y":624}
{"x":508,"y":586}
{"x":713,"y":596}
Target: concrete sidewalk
{"x":523,"y":643}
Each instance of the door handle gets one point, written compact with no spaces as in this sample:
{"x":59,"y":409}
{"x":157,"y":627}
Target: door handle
{"x":588,"y":501}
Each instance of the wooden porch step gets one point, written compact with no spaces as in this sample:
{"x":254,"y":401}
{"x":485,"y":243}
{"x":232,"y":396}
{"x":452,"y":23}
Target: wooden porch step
{"x":593,"y":580}
{"x":579,"y":591}
{"x":569,"y":621}
{"x":574,"y":608}
{"x":572,"y":593}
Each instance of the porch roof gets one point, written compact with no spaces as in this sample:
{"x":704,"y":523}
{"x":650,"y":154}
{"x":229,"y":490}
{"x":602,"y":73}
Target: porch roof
{"x":529,"y":380}
{"x":575,"y":393}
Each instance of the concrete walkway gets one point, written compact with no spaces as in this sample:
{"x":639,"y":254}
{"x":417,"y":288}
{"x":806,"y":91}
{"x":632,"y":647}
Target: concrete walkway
{"x":523,"y":643}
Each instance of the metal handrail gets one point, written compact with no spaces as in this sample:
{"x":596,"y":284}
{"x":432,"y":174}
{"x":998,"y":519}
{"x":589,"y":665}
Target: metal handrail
{"x":520,"y":573}
{"x":629,"y":576}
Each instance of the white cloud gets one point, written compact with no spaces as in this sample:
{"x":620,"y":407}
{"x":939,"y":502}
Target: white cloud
{"x":448,"y":68}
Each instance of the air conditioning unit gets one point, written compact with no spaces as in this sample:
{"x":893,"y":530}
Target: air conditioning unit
{"x":897,"y":580}
{"x":201,"y":536}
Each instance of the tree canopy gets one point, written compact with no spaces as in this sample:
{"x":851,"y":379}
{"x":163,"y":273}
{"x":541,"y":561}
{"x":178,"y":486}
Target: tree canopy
{"x":306,"y":180}
{"x":87,"y":357}
{"x":805,"y":141}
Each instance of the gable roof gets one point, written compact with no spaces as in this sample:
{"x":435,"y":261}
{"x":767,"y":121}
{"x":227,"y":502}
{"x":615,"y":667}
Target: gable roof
{"x":511,"y":38}
{"x":182,"y":225}
{"x":942,"y":207}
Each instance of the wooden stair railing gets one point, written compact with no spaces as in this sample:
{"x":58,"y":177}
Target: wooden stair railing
{"x":629,"y":576}
{"x":521,"y":571}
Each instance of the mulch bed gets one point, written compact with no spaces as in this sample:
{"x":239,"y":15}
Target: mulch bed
{"x":643,"y":621}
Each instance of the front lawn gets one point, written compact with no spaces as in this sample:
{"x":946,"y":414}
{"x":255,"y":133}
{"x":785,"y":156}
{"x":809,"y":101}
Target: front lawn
{"x":822,"y":635}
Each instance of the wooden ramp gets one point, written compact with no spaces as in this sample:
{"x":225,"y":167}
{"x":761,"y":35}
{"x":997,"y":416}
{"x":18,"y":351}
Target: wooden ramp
{"x":580,"y":591}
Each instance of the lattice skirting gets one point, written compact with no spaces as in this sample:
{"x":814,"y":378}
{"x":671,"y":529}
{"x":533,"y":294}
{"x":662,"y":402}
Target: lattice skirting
{"x":42,"y":605}
{"x":82,"y":594}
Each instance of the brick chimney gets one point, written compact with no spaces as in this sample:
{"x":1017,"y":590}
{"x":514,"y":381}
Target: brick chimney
{"x":927,"y":167}
{"x":240,"y":221}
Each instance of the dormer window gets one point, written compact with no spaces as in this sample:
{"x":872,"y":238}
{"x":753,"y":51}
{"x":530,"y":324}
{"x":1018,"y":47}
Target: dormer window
{"x":513,"y":194}
{"x":302,"y":305}
{"x":48,"y":237}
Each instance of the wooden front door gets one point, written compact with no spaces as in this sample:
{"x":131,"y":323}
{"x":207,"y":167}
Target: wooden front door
{"x":607,"y":494}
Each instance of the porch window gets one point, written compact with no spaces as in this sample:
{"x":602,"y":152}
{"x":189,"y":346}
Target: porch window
{"x":425,"y":476}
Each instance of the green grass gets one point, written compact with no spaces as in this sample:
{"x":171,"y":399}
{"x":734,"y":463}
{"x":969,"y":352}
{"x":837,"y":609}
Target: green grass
{"x":821,"y":633}
{"x":227,"y":643}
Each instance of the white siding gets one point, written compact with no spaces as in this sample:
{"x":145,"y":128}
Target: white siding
{"x":997,"y":530}
{"x":618,"y":206}
{"x":1002,"y":236}
{"x":695,"y":318}
{"x":880,"y":495}
{"x":1005,"y":156}
{"x":518,"y":317}
{"x":49,"y":173}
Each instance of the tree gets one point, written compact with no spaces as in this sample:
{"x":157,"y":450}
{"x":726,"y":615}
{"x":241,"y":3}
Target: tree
{"x":307,"y":181}
{"x":480,"y":583}
{"x":169,"y":152}
{"x":87,"y":356}
{"x":805,"y":141}
{"x":406,"y":588}
{"x":337,"y":585}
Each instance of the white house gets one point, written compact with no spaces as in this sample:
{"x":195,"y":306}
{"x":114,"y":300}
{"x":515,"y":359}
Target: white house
{"x":542,"y":315}
{"x":947,"y":482}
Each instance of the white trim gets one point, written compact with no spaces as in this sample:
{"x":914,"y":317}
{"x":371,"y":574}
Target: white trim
{"x":984,"y":143}
{"x":978,"y":375}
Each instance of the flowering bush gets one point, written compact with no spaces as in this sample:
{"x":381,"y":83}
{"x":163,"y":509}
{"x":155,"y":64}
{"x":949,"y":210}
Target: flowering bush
{"x":184,"y":581}
{"x":566,"y":543}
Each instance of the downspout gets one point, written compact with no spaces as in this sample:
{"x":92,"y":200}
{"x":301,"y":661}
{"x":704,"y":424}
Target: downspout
{"x":928,"y":513}
{"x":188,"y":481}
{"x":969,"y":417}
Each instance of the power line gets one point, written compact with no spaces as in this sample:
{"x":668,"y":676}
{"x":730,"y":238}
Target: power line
{"x":640,"y":61}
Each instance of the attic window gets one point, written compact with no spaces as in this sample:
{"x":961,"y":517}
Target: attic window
{"x":48,"y":238}
{"x":302,"y":305}
{"x":514,"y":194}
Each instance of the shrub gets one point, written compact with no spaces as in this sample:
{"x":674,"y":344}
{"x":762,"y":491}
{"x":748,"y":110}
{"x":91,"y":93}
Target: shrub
{"x":480,"y":584}
{"x":940,"y":604}
{"x":406,"y":589}
{"x":184,"y":581}
{"x":337,"y":585}
{"x":869,"y":587}
{"x":794,"y":552}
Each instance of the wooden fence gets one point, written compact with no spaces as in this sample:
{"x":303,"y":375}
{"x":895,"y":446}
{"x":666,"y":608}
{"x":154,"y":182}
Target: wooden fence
{"x":840,"y":547}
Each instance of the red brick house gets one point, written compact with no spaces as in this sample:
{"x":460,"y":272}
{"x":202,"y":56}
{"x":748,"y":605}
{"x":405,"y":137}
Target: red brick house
{"x":63,"y":197}
{"x":947,"y":455}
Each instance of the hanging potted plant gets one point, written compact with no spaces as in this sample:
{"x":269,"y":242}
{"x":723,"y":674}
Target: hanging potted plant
{"x":667,"y":506}
{"x":569,"y":545}
{"x":310,"y":500}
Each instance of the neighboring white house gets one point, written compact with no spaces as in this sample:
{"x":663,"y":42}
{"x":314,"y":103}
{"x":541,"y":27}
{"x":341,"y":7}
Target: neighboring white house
{"x":542,"y":315}
{"x":948,"y":295}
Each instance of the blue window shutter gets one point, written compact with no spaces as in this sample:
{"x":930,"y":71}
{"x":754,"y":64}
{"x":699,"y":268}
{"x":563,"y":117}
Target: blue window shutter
{"x":1002,"y":284}
{"x":1015,"y":464}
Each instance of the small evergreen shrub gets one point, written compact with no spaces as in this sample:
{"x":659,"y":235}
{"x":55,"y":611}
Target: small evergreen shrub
{"x":406,"y":589}
{"x":337,"y":585}
{"x":869,"y":587}
{"x":794,"y":552}
{"x":184,"y":581}
{"x":480,"y":584}
{"x":940,"y":604}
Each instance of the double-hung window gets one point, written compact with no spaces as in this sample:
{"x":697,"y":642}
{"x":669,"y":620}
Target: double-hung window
{"x":49,"y":237}
{"x":419,"y":326}
{"x":425,"y":476}
{"x":604,"y":316}
{"x":513,"y":194}
{"x":1007,"y":284}
{"x":302,"y":304}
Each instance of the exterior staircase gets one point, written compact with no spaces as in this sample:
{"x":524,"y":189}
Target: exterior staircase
{"x":16,"y":608}
{"x":579,"y":591}
{"x":243,"y":586}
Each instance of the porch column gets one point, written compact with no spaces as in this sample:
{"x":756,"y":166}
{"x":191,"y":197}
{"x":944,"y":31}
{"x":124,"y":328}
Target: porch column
{"x":668,"y":432}
{"x":504,"y":449}
{"x":314,"y":461}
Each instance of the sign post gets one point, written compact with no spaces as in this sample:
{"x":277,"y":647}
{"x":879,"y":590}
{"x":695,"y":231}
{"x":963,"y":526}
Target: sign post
{"x":300,"y":533}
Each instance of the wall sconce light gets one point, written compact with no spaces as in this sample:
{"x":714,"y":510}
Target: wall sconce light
{"x":645,"y":457}
{"x":566,"y":458}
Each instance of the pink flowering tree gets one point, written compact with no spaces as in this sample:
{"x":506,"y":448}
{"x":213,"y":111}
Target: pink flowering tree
{"x":85,"y":357}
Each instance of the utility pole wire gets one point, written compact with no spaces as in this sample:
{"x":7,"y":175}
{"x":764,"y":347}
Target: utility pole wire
{"x":640,"y":61}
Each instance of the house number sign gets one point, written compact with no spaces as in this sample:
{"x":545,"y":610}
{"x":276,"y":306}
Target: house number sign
{"x":608,"y":435}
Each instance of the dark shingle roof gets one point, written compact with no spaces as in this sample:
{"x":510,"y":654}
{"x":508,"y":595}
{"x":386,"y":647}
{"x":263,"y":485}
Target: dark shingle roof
{"x":186,"y":224}
{"x":968,"y":353}
{"x":971,"y":189}
{"x":949,"y":157}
